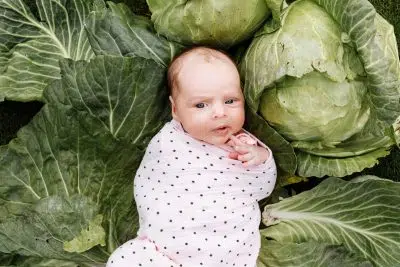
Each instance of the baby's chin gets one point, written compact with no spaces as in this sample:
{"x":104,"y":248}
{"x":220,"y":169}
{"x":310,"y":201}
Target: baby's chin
{"x":217,"y":141}
{"x":220,"y":142}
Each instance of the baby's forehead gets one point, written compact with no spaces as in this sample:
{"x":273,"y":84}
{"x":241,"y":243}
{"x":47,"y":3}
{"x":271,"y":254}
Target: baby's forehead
{"x":192,"y":60}
{"x":204,"y":55}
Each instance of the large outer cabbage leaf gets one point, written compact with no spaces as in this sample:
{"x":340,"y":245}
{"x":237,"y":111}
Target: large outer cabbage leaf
{"x":216,"y":23}
{"x":68,"y":176}
{"x":396,"y":131}
{"x":117,"y":31}
{"x":283,"y":151}
{"x":311,"y":165}
{"x":328,"y":81}
{"x":8,"y":260}
{"x":361,"y":215}
{"x":30,"y":47}
{"x":307,"y":254}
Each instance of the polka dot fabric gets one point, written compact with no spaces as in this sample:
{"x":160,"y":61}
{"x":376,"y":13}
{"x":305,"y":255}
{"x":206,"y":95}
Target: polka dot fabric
{"x":197,"y":207}
{"x":141,"y":253}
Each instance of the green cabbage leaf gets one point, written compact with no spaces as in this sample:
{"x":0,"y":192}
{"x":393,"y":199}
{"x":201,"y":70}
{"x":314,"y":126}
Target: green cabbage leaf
{"x":306,"y":254}
{"x":67,"y":179}
{"x":345,"y":220}
{"x":31,"y":46}
{"x":117,"y":31}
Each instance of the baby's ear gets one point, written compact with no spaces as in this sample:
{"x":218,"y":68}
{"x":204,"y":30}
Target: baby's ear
{"x":173,"y":109}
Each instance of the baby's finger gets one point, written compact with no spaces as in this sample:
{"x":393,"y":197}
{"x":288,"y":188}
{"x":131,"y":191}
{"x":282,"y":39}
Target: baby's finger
{"x":233,"y":155}
{"x":236,"y":140}
{"x":245,"y":157}
{"x":241,"y":149}
{"x":250,"y":163}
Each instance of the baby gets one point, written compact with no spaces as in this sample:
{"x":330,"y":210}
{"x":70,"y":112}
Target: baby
{"x":197,"y":187}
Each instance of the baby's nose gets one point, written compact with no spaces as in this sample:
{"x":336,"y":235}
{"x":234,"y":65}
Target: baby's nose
{"x":219,"y":111}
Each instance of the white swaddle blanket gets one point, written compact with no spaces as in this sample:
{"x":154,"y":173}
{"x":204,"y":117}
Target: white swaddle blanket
{"x":197,"y":207}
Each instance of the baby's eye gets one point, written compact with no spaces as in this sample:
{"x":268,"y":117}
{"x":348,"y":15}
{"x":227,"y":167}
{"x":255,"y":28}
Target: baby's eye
{"x":200,"y":105}
{"x":230,"y":101}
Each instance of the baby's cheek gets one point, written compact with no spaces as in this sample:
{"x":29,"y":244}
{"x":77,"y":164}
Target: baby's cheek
{"x":240,"y":117}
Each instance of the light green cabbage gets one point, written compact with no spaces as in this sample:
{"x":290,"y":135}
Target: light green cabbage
{"x":216,"y":23}
{"x":328,"y":82}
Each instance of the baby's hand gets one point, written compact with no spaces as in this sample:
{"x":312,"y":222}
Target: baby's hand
{"x":249,"y":154}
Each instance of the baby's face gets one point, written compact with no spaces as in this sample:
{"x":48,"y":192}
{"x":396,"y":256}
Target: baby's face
{"x":209,"y":103}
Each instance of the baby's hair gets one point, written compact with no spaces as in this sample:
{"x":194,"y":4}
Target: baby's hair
{"x":207,"y":53}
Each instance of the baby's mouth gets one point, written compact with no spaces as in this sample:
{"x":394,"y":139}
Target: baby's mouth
{"x":221,"y":130}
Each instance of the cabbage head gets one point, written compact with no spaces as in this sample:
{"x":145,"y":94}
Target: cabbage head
{"x":217,"y":23}
{"x":327,"y":81}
